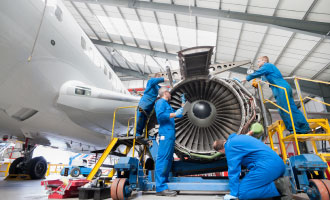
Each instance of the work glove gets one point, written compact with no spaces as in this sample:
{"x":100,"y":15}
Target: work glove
{"x":178,"y":113}
{"x":183,"y":99}
{"x":229,"y":197}
{"x":254,"y":83}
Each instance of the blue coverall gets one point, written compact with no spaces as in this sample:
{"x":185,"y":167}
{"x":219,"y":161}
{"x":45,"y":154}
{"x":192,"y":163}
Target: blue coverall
{"x":274,"y":76}
{"x":263,"y":163}
{"x":147,"y":102}
{"x":166,"y":143}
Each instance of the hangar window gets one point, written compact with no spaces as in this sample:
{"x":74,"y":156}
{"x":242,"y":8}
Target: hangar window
{"x":83,"y":91}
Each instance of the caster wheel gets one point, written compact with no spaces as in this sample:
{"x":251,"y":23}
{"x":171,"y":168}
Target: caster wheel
{"x":119,"y":189}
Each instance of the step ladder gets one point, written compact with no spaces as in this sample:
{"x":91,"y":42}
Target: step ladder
{"x":129,"y":141}
{"x":278,"y":127}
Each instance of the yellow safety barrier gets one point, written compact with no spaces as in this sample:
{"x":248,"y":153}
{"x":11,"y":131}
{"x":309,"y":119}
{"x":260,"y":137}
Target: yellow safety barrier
{"x":57,"y":170}
{"x":7,"y":168}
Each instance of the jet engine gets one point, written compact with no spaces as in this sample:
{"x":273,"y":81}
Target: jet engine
{"x":218,"y":107}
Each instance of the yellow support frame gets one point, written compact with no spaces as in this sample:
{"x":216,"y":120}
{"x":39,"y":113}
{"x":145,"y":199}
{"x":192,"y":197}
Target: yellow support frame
{"x":279,"y":127}
{"x":287,"y":111}
{"x":112,"y":144}
{"x":113,"y":171}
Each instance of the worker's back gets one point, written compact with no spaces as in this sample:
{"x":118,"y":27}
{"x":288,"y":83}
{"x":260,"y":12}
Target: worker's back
{"x":274,"y":76}
{"x":150,"y":94}
{"x":252,"y":152}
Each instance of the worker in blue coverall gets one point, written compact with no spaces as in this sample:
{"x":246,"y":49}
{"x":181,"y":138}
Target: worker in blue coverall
{"x":274,"y":76}
{"x":264,"y":166}
{"x":147,"y":102}
{"x":165,"y":117}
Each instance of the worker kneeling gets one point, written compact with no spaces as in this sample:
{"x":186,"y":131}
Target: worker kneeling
{"x":266,"y":168}
{"x":165,"y":117}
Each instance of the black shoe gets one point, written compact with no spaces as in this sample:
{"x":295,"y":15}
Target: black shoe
{"x":169,"y":193}
{"x":283,"y":186}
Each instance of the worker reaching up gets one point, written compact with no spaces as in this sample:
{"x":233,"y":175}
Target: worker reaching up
{"x":265,"y":169}
{"x":165,"y":117}
{"x":274,"y":76}
{"x":147,"y":102}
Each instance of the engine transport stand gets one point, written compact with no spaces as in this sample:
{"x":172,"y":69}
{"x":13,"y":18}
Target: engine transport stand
{"x":131,"y":177}
{"x":307,"y":174}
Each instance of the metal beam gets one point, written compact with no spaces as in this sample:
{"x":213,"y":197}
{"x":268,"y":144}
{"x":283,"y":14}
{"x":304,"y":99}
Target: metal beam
{"x":143,"y":29}
{"x":176,"y":27}
{"x":85,"y":20}
{"x":113,"y":58}
{"x":239,"y":39}
{"x":118,"y":69}
{"x":177,"y":31}
{"x":294,"y":33}
{"x":131,"y":33}
{"x":128,"y":72}
{"x":127,"y":26}
{"x":160,"y":31}
{"x":321,"y":71}
{"x":162,"y":69}
{"x":153,"y":53}
{"x":91,"y":10}
{"x":149,"y":52}
{"x":145,"y":33}
{"x":217,"y":40}
{"x":112,"y":24}
{"x":308,"y":54}
{"x":265,"y":35}
{"x":284,"y":48}
{"x":296,"y":25}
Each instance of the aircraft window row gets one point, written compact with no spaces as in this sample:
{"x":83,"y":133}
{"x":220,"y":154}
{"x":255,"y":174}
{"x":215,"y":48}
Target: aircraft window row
{"x":105,"y":70}
{"x":83,"y":42}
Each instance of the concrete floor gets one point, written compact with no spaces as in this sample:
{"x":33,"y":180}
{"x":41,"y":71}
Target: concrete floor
{"x":31,"y":190}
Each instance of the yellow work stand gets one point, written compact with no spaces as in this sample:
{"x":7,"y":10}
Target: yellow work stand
{"x":129,"y":141}
{"x":279,"y":127}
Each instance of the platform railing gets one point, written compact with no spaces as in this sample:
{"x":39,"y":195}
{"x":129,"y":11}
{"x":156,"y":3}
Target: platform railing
{"x":113,"y":142}
{"x":279,"y":126}
{"x":135,"y":123}
{"x":286,"y":111}
{"x":296,"y":81}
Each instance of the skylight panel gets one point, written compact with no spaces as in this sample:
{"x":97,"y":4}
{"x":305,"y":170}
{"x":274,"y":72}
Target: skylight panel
{"x":187,"y":37}
{"x":153,"y":33}
{"x":169,"y":34}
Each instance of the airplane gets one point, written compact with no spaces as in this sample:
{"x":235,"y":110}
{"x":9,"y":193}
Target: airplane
{"x":56,"y":89}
